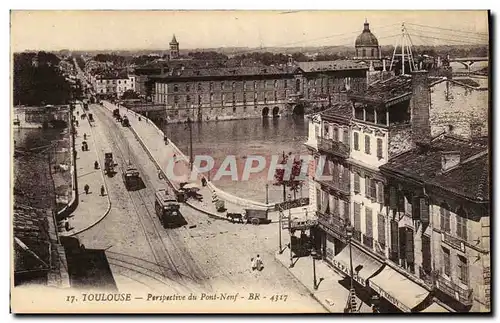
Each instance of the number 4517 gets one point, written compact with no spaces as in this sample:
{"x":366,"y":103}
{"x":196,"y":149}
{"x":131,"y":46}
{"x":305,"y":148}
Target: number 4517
{"x":277,"y":298}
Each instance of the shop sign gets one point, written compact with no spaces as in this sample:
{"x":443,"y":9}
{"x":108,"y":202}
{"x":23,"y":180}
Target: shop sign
{"x":346,"y":271}
{"x":389,"y":297}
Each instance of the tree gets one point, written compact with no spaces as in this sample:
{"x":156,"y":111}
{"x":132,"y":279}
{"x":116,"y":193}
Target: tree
{"x":292,"y":182}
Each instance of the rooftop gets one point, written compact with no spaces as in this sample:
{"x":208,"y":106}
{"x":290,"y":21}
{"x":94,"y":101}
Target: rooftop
{"x":470,"y":178}
{"x":340,"y":110}
{"x":336,"y":65}
{"x":222,"y":72}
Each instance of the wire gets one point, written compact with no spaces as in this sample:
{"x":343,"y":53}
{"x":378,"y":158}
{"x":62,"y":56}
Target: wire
{"x":448,"y":39}
{"x":454,"y":30}
{"x":484,"y":39}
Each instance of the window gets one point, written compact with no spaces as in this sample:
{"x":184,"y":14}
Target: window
{"x":188,"y":99}
{"x":222,"y":85}
{"x":275,"y":83}
{"x":379,"y":148}
{"x":285,"y":85}
{"x":211,"y":86}
{"x":119,"y":82}
{"x":188,"y":88}
{"x":223,"y":97}
{"x":345,"y":137}
{"x":445,"y":217}
{"x":244,"y":85}
{"x":410,"y":254}
{"x":367,"y":186}
{"x":199,"y":86}
{"x":381,"y":230}
{"x":369,"y":222}
{"x":356,"y":141}
{"x":426,"y":254}
{"x":367,"y":144}
{"x":380,"y":192}
{"x":462,"y":223}
{"x":373,"y":52}
{"x":318,"y":199}
{"x":234,"y":109}
{"x":446,"y":262}
{"x":401,"y":201}
{"x":370,"y":115}
{"x":357,"y":216}
{"x":199,"y":99}
{"x":176,"y":88}
{"x":211,"y":97}
{"x":359,"y":113}
{"x":357,"y":184}
{"x":275,"y":96}
{"x":393,"y":255}
{"x":233,"y":85}
{"x":345,"y":215}
{"x":364,"y":52}
{"x":176,"y":99}
{"x":335,"y":134}
{"x":463,"y":270}
{"x":382,"y":118}
{"x":255,"y":86}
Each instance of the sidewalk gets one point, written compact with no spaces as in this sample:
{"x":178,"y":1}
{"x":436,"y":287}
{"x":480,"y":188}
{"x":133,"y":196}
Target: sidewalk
{"x":330,"y":293}
{"x":92,"y":207}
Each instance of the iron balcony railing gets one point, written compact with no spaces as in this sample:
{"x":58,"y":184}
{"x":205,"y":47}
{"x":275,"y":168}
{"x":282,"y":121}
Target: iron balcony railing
{"x":356,"y":235}
{"x":452,"y":241}
{"x":342,"y":186}
{"x":333,"y":222}
{"x":461,"y":294}
{"x":337,"y":148}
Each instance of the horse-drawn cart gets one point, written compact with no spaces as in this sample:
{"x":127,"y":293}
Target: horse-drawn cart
{"x":256,"y":217}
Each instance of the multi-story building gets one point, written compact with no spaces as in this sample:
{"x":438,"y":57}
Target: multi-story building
{"x":245,"y":92}
{"x":113,"y":84}
{"x":387,"y":120}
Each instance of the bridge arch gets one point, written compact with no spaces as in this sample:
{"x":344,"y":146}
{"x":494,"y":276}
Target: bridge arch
{"x":276,"y":112}
{"x":298,"y":110}
{"x":265,"y":112}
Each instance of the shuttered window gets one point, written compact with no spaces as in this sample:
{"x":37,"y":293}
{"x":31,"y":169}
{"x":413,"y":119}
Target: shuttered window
{"x":367,"y":186}
{"x":318,"y":199}
{"x":461,"y":224}
{"x":410,"y":254}
{"x":373,"y":189}
{"x":401,"y":201}
{"x":445,"y":218}
{"x":345,"y":179}
{"x":356,"y":141}
{"x":379,"y":148}
{"x":357,"y":185}
{"x":426,"y":254}
{"x":394,"y":240}
{"x":424,"y":210}
{"x":446,"y":262}
{"x":381,"y":229}
{"x":416,"y":208}
{"x":380,"y":192}
{"x":393,"y":198}
{"x":367,"y":145}
{"x":463,"y":270}
{"x":346,"y":210}
{"x":335,"y":206}
{"x":402,"y":246}
{"x":369,"y":222}
{"x":345,"y":138}
{"x":357,"y":216}
{"x":335,"y":134}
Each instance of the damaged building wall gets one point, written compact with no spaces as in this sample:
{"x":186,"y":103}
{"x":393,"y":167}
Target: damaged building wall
{"x":459,"y":110}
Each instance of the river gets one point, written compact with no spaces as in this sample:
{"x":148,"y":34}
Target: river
{"x":243,"y":138}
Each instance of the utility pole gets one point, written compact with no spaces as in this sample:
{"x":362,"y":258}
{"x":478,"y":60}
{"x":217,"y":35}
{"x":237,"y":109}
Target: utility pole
{"x":190,"y":144}
{"x":290,"y":231}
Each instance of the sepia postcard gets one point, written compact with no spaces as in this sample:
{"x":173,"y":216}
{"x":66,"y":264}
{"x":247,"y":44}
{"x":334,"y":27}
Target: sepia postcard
{"x":250,"y":162}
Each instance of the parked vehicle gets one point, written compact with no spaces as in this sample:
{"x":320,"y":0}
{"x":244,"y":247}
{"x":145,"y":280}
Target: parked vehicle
{"x":167,"y":208}
{"x":256,"y":217}
{"x":116,"y":113}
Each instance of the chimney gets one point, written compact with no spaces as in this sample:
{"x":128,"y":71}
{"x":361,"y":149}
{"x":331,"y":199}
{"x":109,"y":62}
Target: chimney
{"x":449,"y":159}
{"x":420,"y":108}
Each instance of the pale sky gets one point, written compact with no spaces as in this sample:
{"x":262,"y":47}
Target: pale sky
{"x":113,"y":30}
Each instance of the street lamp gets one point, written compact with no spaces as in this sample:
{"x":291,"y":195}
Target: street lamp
{"x":349,"y":233}
{"x":290,"y":228}
{"x":313,"y":255}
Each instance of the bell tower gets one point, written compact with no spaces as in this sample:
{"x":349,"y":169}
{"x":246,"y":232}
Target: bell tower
{"x":174,"y":48}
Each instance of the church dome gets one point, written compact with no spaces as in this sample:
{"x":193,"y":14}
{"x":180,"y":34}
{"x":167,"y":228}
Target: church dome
{"x":366,"y":38}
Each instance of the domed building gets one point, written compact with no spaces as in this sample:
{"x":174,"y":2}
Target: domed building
{"x":367,"y":47}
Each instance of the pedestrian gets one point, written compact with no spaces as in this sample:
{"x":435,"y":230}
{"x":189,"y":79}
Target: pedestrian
{"x":76,"y":121}
{"x":102,"y":190}
{"x":86,"y":188}
{"x":254,"y":263}
{"x":258,"y":262}
{"x":159,"y":174}
{"x":96,"y":165}
{"x":84,"y":136}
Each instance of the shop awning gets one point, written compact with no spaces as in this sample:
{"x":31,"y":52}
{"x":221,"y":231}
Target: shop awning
{"x":363,"y":265}
{"x":398,"y":289}
{"x":435,"y":308}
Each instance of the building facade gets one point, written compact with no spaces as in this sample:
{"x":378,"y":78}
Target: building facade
{"x":358,"y":139}
{"x":249,"y":92}
{"x":114,"y":84}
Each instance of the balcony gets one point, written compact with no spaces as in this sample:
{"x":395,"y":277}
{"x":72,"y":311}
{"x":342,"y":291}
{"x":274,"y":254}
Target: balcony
{"x":453,"y":241}
{"x":356,"y":235}
{"x":343,"y":187}
{"x":368,"y":241}
{"x":332,"y":224}
{"x":461,"y":294}
{"x":336,"y":148}
{"x":426,"y":277}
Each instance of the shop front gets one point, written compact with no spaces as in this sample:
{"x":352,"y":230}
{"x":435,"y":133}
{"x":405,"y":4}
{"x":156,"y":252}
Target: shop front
{"x":364,"y":266}
{"x":398,"y":289}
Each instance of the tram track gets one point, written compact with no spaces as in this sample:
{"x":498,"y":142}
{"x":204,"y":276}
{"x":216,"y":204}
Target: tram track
{"x":143,"y":205}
